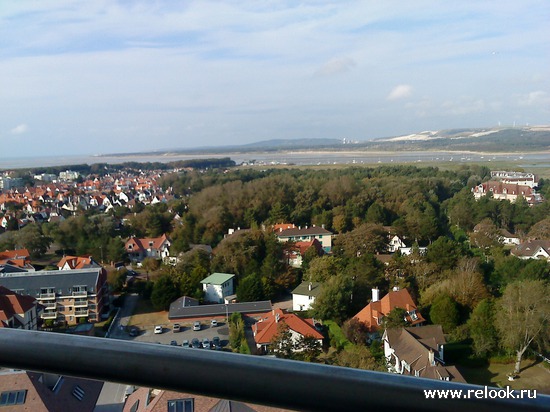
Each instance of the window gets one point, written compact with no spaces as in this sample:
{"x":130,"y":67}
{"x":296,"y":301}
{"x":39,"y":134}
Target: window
{"x":13,"y":398}
{"x":180,"y":405}
{"x":78,"y":393}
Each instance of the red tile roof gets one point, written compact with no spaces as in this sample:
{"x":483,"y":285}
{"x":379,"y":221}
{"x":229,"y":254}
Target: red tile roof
{"x":266,"y":328}
{"x":373,"y":313}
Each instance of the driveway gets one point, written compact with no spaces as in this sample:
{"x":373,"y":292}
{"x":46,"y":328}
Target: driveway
{"x":186,"y":333}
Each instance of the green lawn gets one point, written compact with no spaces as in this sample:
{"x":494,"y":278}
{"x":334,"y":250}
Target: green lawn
{"x":336,"y":332}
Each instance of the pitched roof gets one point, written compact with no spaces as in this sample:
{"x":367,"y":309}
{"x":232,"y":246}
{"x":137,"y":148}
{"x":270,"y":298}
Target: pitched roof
{"x":146,"y":243}
{"x":39,"y":394}
{"x":266,"y":327}
{"x":12,"y":304}
{"x":305,"y":289}
{"x":413,"y":345}
{"x":217,"y":278}
{"x":373,"y":313}
{"x":154,"y":400}
{"x":77,"y":262}
{"x":529,"y":248}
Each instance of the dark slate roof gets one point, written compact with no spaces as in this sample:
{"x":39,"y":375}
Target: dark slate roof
{"x":61,"y":280}
{"x":179,"y":312}
{"x":303,"y":289}
{"x":231,"y":406}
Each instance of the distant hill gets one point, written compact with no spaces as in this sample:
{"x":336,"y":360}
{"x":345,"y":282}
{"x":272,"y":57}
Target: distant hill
{"x":506,"y":139}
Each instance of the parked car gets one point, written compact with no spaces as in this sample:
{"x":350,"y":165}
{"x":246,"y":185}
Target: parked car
{"x":195,"y":343}
{"x":185,"y":344}
{"x":196,"y":325}
{"x":173,"y":343}
{"x":176,"y":327}
{"x":158,"y":329}
{"x":206,"y":343}
{"x":216,"y":343}
{"x":213,"y":323}
{"x":133,"y":331}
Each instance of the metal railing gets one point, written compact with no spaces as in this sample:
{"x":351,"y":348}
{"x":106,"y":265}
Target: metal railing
{"x":255,"y":379}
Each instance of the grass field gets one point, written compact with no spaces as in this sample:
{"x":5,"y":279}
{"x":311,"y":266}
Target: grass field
{"x":534,"y":375}
{"x":146,"y":317}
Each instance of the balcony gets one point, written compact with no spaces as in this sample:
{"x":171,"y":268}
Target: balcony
{"x":47,"y":296}
{"x":50,"y":305}
{"x":81,"y":312}
{"x":49,"y":315}
{"x":81,"y":303}
{"x":268,"y":381}
{"x":80,"y":293}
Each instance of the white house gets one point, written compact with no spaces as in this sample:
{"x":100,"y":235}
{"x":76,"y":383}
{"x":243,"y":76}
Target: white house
{"x":304,"y":295}
{"x":217,"y":286}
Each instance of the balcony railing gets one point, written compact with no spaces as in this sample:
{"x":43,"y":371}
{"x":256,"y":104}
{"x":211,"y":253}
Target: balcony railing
{"x":80,"y":293}
{"x":50,"y":305}
{"x":81,"y":312}
{"x":47,"y":296}
{"x":79,"y":303}
{"x":269,"y":381}
{"x":49,"y":315}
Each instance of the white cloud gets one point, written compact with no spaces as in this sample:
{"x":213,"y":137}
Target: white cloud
{"x":401,"y":91}
{"x":19,"y":129}
{"x":336,"y":66}
{"x":536,"y":98}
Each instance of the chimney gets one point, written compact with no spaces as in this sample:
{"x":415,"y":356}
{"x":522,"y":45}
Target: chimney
{"x":375,"y":295}
{"x":309,"y":286}
{"x":276,"y":318}
{"x":431,"y":358}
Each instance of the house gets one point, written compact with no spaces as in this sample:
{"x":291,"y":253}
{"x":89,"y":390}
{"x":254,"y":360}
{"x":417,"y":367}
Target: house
{"x":266,"y":329}
{"x":303,"y":296}
{"x":296,"y":253}
{"x":532,"y":249}
{"x":373,"y":314}
{"x":508,"y":238}
{"x":154,"y":247}
{"x":17,"y":311}
{"x":299,"y":234}
{"x":156,"y":400}
{"x":77,"y":262}
{"x":418,"y":352}
{"x":19,"y":258}
{"x":520,"y":178}
{"x":217,"y":286}
{"x":507,"y":191}
{"x":66,"y":295}
{"x":33,"y":391}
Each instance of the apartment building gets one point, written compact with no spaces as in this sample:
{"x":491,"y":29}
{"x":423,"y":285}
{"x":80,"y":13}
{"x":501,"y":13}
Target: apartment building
{"x":67,"y":296}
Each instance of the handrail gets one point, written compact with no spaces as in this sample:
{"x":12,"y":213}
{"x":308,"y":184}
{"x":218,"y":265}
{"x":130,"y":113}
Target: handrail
{"x":255,"y":379}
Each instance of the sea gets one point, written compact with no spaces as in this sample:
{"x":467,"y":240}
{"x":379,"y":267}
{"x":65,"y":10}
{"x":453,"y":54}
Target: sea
{"x":301,"y":158}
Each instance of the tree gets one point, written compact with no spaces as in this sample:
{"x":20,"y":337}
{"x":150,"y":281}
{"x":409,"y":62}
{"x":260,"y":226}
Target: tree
{"x":358,"y":357}
{"x":282,"y":344}
{"x":541,"y":229}
{"x":523,"y":316}
{"x":396,"y":318}
{"x":444,"y":253}
{"x":164,"y":293}
{"x":482,"y":328}
{"x":250,"y":289}
{"x":307,"y":348}
{"x":32,"y":239}
{"x":117,"y":279}
{"x":334,"y":300}
{"x":355,"y":331}
{"x":150,"y":264}
{"x":444,"y":312}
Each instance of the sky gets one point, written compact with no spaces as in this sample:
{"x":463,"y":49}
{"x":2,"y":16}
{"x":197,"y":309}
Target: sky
{"x":106,"y":76}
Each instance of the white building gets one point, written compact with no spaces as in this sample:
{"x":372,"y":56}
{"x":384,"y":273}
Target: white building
{"x":304,"y":295}
{"x":217,"y":286}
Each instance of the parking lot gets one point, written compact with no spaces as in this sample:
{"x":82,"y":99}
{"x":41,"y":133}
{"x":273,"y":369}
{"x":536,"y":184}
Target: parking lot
{"x":186,"y":333}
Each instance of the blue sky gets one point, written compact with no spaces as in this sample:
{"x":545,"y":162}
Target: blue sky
{"x":108,"y":76}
